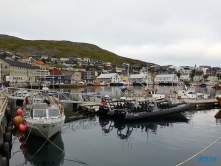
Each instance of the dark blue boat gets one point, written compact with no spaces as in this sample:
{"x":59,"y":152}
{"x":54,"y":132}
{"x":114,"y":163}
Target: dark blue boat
{"x":203,"y":85}
{"x":143,"y":110}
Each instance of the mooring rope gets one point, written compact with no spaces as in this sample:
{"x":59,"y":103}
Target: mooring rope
{"x":44,"y":144}
{"x":37,"y":150}
{"x":23,"y":143}
{"x":60,"y":148}
{"x":33,"y":154}
{"x":199,"y":152}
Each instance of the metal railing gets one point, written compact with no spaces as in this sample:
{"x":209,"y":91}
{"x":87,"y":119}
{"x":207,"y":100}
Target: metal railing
{"x":20,"y":93}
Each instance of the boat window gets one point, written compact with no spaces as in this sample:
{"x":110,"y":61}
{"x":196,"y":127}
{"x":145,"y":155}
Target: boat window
{"x":39,"y":113}
{"x":53,"y":112}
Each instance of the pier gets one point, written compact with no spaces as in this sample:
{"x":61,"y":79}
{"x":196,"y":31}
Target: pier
{"x":202,"y":103}
{"x":5,"y":131}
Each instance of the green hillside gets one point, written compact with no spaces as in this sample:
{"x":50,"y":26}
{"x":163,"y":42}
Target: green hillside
{"x":61,"y":49}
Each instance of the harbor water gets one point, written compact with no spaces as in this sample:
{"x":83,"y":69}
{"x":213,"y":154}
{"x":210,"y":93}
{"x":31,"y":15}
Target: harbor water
{"x":98,"y":141}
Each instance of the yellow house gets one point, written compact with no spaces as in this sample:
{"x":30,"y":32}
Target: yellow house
{"x":14,"y":71}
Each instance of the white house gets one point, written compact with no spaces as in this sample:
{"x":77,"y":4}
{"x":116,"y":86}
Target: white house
{"x":112,"y":78}
{"x":186,"y":69}
{"x":64,"y":59}
{"x":86,"y":59}
{"x":204,"y":68}
{"x":140,"y":78}
{"x":177,"y":68}
{"x":166,"y":79}
{"x":185,"y":76}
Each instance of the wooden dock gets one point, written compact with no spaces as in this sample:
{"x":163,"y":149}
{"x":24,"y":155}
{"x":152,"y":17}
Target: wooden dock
{"x":93,"y":107}
{"x":5,"y":131}
{"x":3,"y":118}
{"x":201,"y":103}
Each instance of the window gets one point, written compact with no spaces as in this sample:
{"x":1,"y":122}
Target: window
{"x":53,"y":113}
{"x":39,"y":113}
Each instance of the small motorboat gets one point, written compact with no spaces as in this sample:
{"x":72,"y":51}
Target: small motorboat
{"x":43,"y":114}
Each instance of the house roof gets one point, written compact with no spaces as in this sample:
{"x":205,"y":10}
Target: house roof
{"x":55,"y":72}
{"x":39,"y":62}
{"x":165,"y":75}
{"x":137,"y":75}
{"x":19,"y":64}
{"x":109,"y":75}
{"x":24,"y":57}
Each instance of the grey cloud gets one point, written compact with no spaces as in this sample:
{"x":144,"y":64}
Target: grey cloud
{"x":173,"y":32}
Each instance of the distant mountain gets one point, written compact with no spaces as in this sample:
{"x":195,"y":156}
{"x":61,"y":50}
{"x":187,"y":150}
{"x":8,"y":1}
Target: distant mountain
{"x":61,"y":49}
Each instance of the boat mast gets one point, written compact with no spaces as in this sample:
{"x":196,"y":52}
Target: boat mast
{"x":128,"y":75}
{"x":147,"y":75}
{"x":219,"y":75}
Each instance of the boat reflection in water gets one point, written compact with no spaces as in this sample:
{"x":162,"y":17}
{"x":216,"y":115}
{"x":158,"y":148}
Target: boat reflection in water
{"x":52,"y":153}
{"x":218,"y":117}
{"x":107,"y":125}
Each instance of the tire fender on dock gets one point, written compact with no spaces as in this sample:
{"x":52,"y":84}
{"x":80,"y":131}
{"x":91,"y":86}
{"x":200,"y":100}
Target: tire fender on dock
{"x":3,"y":161}
{"x":6,"y":150}
{"x":8,"y":137}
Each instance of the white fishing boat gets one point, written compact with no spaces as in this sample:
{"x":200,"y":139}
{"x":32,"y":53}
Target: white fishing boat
{"x":190,"y":93}
{"x":43,"y":114}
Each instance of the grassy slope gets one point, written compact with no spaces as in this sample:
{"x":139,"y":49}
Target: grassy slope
{"x":61,"y":49}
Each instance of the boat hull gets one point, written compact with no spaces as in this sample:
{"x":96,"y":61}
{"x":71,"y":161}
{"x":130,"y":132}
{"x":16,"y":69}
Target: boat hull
{"x":44,"y":128}
{"x":218,"y":98}
{"x":120,"y":84}
{"x":159,"y":114}
{"x":144,"y":110}
{"x":96,"y":84}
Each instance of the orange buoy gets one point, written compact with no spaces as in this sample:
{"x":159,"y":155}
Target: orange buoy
{"x":22,"y":140}
{"x":19,"y":111}
{"x":23,"y":127}
{"x":16,"y":132}
{"x":60,"y":106}
{"x":17,"y":121}
{"x":56,"y":100}
{"x":23,"y":147}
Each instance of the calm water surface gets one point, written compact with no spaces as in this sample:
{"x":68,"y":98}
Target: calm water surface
{"x":99,"y":142}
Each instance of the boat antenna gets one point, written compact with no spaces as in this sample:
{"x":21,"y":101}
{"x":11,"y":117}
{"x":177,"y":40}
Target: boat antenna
{"x":147,"y":74}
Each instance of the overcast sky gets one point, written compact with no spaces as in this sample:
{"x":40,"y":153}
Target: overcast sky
{"x":176,"y":32}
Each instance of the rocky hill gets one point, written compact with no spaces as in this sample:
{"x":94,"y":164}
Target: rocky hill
{"x":61,"y":49}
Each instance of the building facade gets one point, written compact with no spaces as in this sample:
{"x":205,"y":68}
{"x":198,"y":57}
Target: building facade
{"x":14,"y":71}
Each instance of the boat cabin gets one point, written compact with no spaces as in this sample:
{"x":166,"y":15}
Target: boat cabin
{"x":44,"y":111}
